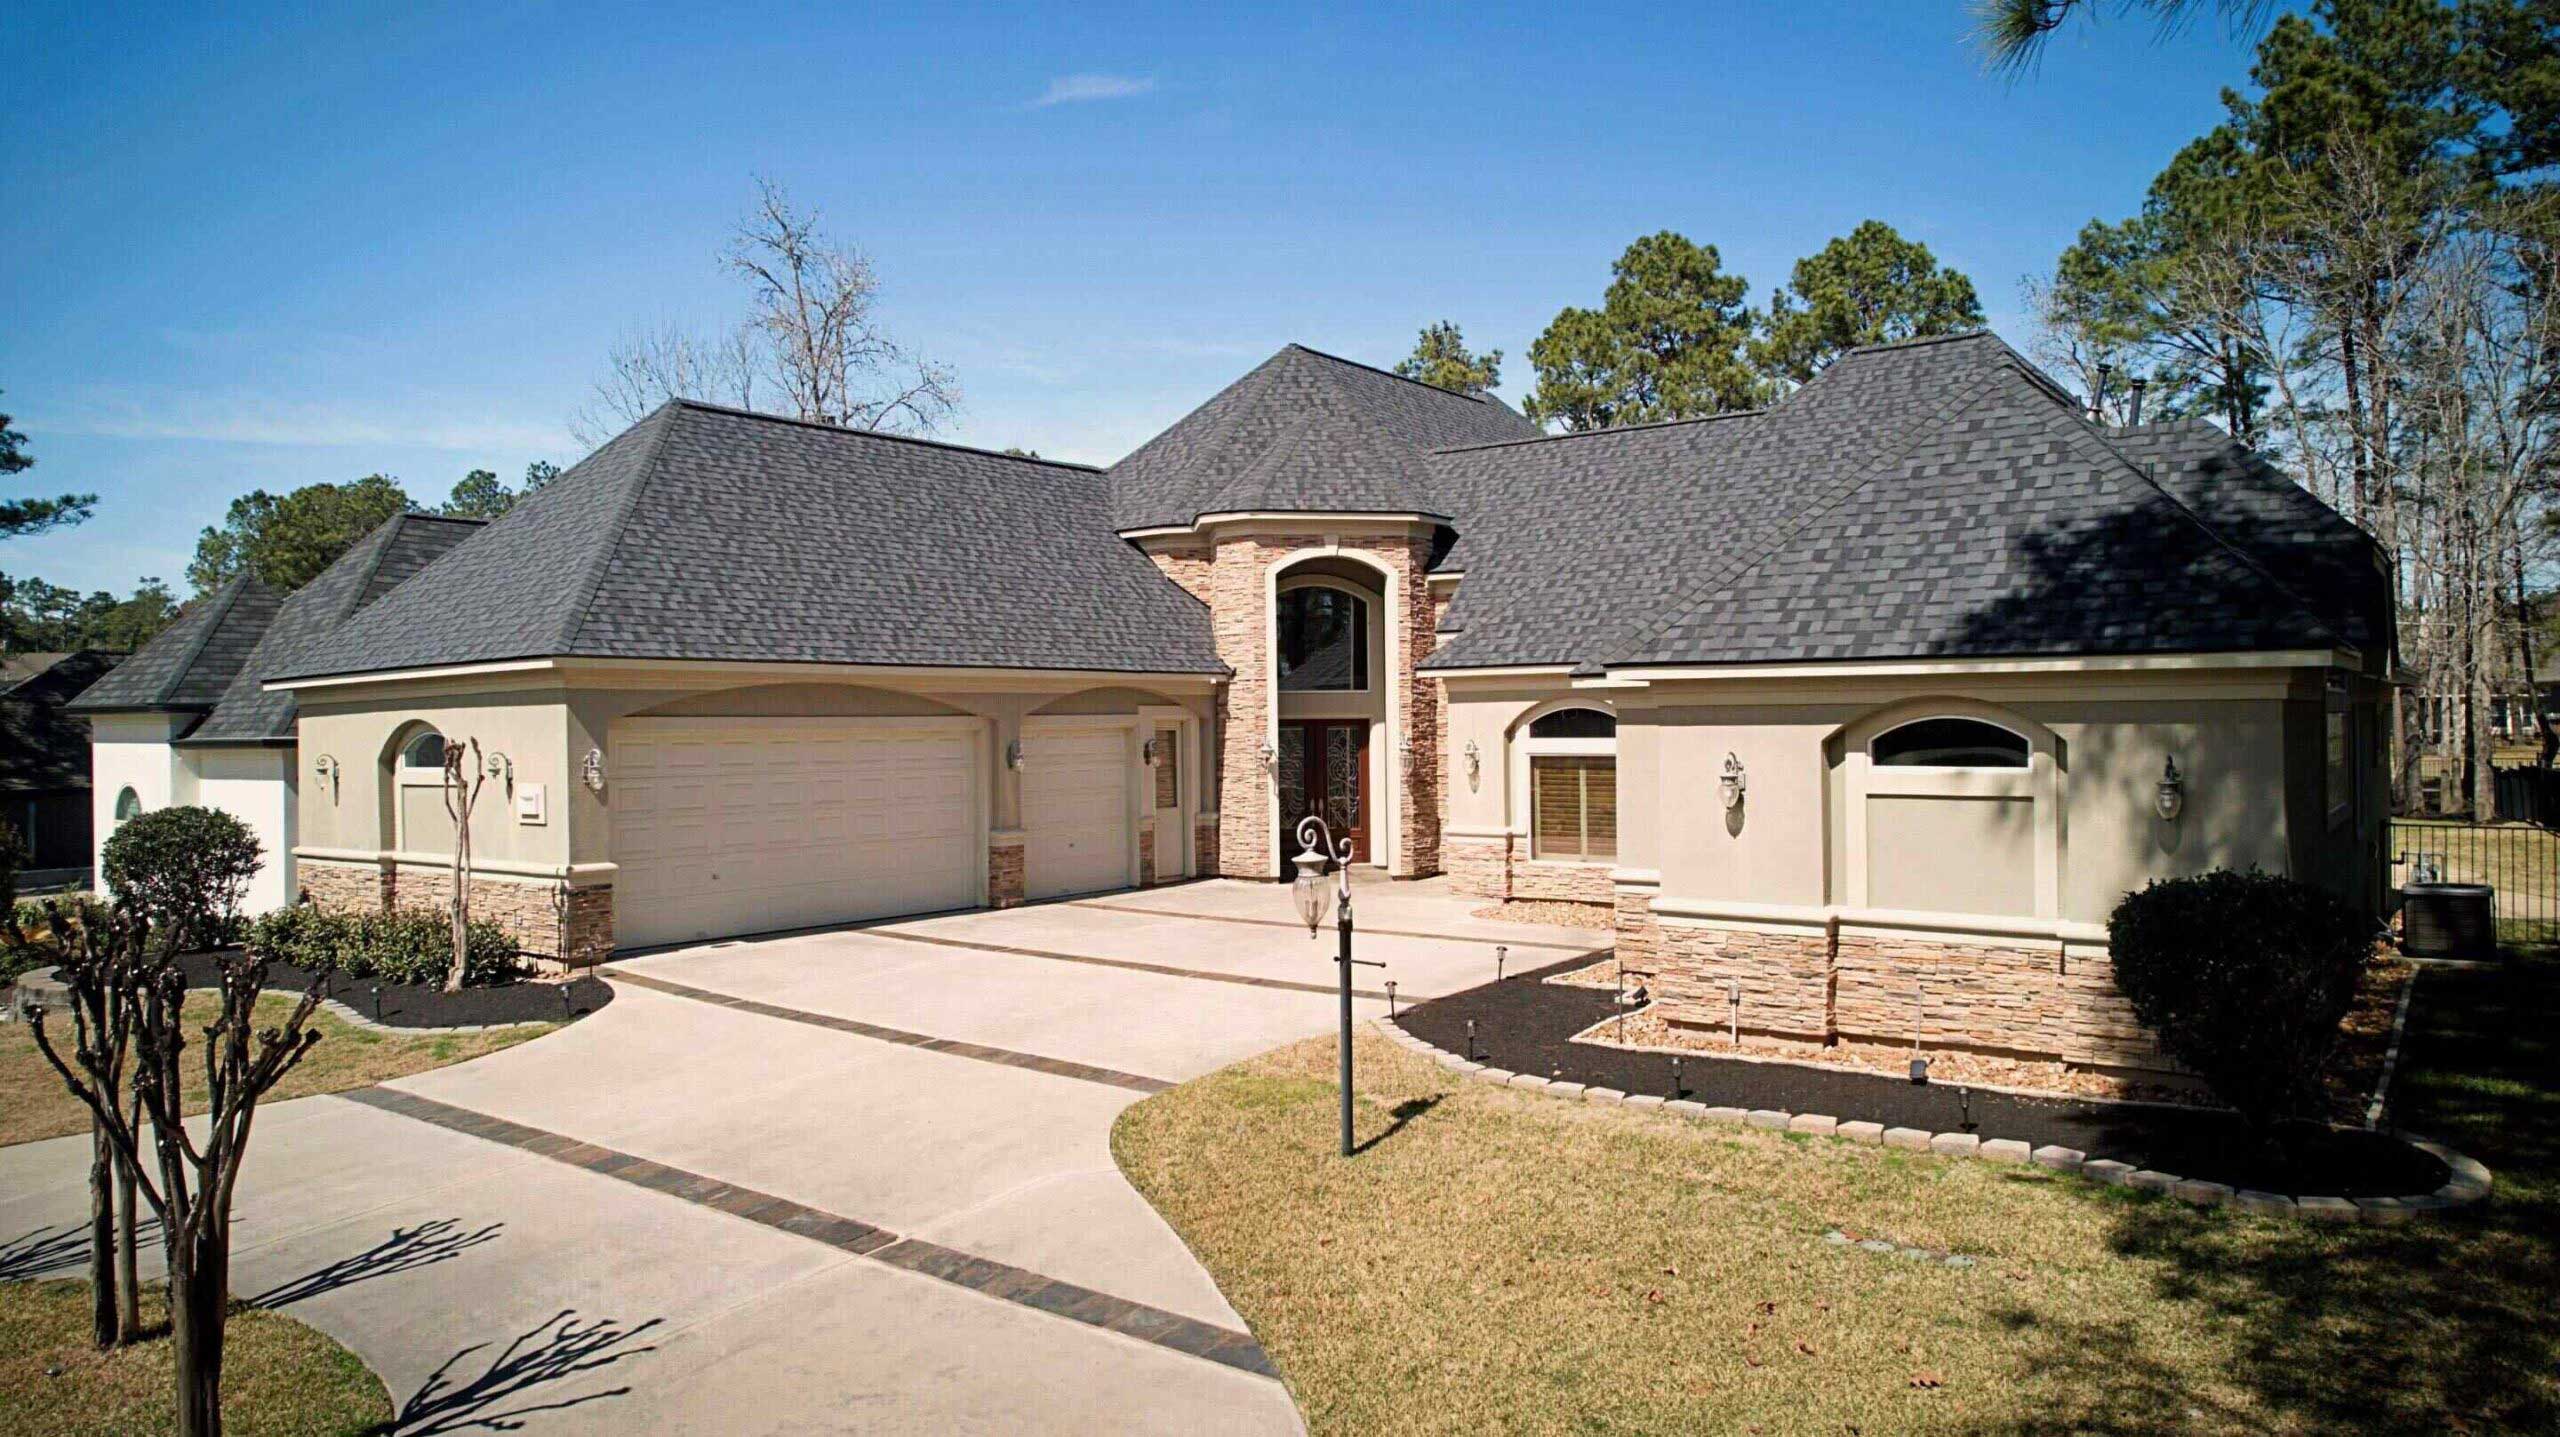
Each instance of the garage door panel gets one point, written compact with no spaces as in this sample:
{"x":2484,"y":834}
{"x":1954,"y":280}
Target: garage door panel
{"x":752,"y":829}
{"x":1075,"y":811}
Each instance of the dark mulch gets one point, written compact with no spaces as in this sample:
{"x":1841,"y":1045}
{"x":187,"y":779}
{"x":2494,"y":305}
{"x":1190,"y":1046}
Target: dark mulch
{"x":1527,"y":1026}
{"x":424,"y":1005}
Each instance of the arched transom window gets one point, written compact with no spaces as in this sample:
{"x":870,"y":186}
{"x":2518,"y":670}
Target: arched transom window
{"x":1573,"y":785}
{"x":424,"y":750}
{"x":1324,"y":639}
{"x":1948,"y":743}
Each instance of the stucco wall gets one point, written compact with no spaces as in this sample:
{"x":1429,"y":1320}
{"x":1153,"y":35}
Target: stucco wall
{"x":257,"y":785}
{"x":132,"y":751}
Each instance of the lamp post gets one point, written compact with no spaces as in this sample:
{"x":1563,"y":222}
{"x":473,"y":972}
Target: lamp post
{"x":1315,"y":838}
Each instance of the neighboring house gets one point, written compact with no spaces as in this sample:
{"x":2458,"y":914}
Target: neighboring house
{"x":1937,"y":634}
{"x":44,"y":757}
{"x":187,"y":721}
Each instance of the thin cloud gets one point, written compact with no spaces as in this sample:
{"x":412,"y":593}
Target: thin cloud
{"x":1079,"y":89}
{"x":230,"y":418}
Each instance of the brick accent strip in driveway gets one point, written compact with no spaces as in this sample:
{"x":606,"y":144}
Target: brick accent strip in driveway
{"x":1140,"y":908}
{"x":1007,"y":1057}
{"x":1205,"y":975}
{"x":985,"y":1276}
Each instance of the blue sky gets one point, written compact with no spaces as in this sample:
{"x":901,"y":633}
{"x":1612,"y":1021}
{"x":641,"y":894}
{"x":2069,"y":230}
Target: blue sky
{"x":266,"y":250}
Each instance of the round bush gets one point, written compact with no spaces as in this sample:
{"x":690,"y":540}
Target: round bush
{"x":2245,"y":977}
{"x":184,"y":866}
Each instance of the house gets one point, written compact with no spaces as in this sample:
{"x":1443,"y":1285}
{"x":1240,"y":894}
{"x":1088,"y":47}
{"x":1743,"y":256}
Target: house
{"x":188,"y":721}
{"x":44,"y":758}
{"x":1858,"y":712}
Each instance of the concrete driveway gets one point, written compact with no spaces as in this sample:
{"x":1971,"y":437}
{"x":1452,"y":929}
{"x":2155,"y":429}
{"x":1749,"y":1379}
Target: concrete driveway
{"x":853,"y":1179}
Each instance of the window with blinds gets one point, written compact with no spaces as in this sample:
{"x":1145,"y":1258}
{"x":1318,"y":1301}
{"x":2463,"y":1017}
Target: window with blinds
{"x":1574,"y":806}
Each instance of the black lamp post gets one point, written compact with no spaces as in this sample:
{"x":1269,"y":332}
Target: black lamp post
{"x":1315,"y":836}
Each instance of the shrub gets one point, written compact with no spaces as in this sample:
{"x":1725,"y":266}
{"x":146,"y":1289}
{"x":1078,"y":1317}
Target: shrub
{"x":184,"y":866}
{"x":405,"y":945}
{"x":2245,"y":977}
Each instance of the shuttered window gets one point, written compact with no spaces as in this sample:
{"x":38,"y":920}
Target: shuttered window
{"x":1574,"y":802}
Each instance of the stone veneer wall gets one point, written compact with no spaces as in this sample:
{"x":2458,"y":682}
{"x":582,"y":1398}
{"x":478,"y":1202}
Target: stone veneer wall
{"x":1204,"y":846}
{"x":1231,"y":577}
{"x":1147,"y":854}
{"x":1004,"y":872}
{"x":548,"y":919}
{"x":1494,"y":866}
{"x":1822,"y":985}
{"x":1639,"y":937}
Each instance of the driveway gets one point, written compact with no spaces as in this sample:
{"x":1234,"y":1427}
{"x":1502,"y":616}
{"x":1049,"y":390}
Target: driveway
{"x":845,"y":1179}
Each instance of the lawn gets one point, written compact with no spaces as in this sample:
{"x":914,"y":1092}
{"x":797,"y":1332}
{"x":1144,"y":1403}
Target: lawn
{"x":34,"y":1104}
{"x":2520,"y":860}
{"x":1498,"y":1261}
{"x":279,"y":1378}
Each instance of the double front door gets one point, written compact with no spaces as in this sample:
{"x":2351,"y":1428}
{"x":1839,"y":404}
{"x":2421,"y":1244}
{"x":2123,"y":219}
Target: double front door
{"x":1324,"y":769}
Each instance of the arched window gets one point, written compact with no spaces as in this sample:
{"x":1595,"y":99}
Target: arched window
{"x":1948,"y":743}
{"x":128,"y":805}
{"x":1324,"y":639}
{"x":425,"y":750}
{"x":1573,"y":785}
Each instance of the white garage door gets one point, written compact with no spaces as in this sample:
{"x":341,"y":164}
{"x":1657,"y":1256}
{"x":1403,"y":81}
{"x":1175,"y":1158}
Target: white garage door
{"x":1075,"y":810}
{"x":745,"y":826}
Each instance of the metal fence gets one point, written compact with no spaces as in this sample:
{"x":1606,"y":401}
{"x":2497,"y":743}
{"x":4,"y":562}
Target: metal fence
{"x":2520,"y":861}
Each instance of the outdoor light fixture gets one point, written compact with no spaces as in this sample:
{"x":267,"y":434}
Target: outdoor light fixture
{"x":1475,"y":762}
{"x":1147,"y":753}
{"x":1733,"y":784}
{"x":503,"y":768}
{"x":1013,"y":755}
{"x":1270,"y":759}
{"x":1919,"y":1071}
{"x":1308,"y":889}
{"x":327,"y":768}
{"x":2170,"y":799}
{"x":591,"y":770}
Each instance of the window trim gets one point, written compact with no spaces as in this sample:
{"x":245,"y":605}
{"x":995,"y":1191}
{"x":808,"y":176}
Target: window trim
{"x":1530,"y":749}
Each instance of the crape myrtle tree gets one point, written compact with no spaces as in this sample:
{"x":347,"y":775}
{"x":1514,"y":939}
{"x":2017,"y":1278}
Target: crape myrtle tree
{"x":178,"y":875}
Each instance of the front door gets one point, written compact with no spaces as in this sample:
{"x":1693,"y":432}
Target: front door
{"x":1324,"y":769}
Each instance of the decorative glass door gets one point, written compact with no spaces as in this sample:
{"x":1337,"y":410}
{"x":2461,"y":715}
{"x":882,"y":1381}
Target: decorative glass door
{"x":1324,"y":769}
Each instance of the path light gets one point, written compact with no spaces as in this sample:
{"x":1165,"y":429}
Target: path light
{"x":1676,"y":1089}
{"x":377,"y":1002}
{"x":1734,"y":783}
{"x":1964,"y":1107}
{"x":1312,"y":896}
{"x":1501,"y":951}
{"x":1471,"y":1040}
{"x":1391,"y":999}
{"x":2170,"y":799}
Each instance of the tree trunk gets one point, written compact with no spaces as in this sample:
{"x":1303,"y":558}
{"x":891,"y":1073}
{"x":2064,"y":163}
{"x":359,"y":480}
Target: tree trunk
{"x":128,"y":1282}
{"x":199,"y":1283}
{"x":102,"y":1237}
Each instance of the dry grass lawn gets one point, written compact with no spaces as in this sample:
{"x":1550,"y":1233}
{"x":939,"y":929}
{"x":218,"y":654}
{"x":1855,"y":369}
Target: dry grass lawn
{"x":1496,"y":1261}
{"x":279,"y":1378}
{"x":34,"y":1103}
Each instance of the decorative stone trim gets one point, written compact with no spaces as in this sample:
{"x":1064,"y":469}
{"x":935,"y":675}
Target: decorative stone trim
{"x":2469,"y":1181}
{"x":559,"y":923}
{"x":1004,"y":870}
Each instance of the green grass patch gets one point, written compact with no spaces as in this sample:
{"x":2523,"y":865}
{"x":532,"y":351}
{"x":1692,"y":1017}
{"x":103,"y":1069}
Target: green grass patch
{"x":1497,"y":1261}
{"x":279,"y":1378}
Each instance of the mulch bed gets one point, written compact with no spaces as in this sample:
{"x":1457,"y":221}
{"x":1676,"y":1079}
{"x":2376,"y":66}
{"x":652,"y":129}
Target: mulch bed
{"x":1527,"y":1025}
{"x":425,"y":1005}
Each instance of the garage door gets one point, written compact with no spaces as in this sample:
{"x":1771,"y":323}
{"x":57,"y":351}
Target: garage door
{"x":1075,"y":810}
{"x":758,"y":824}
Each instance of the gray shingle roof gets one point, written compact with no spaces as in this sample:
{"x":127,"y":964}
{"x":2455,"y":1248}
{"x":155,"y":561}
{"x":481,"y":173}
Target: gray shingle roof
{"x":379,"y":563}
{"x":193,"y":660}
{"x":710,"y":533}
{"x":1305,"y":432}
{"x":43,"y":748}
{"x":1940,"y":497}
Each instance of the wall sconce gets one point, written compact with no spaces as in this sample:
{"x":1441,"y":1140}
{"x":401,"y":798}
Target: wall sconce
{"x":1735,"y":781}
{"x":502,"y":768}
{"x":329,"y":772}
{"x":2170,"y":798}
{"x":1475,"y":763}
{"x":591,"y":770}
{"x":1147,"y":753}
{"x":1270,"y":759}
{"x":1013,"y":755}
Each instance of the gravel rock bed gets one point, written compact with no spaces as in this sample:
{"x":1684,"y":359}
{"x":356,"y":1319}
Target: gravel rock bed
{"x":1527,"y":1026}
{"x":424,"y":1005}
{"x":1551,"y":912}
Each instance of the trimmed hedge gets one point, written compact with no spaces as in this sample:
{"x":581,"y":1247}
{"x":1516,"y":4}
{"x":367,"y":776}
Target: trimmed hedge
{"x":405,"y":945}
{"x":2246,"y":978}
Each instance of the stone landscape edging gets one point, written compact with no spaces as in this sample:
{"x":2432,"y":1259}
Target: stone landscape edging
{"x":2468,"y":1181}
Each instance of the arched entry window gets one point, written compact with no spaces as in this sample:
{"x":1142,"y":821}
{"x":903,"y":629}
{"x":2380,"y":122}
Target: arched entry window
{"x":1573,"y":785}
{"x":1949,"y":743}
{"x":424,"y":750}
{"x":1324,"y":639}
{"x":128,"y":805}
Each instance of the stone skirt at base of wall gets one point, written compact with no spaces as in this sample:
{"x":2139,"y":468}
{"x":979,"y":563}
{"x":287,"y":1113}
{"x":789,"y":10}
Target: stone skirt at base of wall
{"x":555,"y":923}
{"x":1498,"y":866}
{"x":1831,"y":984}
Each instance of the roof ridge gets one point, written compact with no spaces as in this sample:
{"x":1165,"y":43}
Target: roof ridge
{"x":1920,"y":340}
{"x":849,"y":431}
{"x":592,"y":581}
{"x":1391,"y":374}
{"x":1691,"y":596}
{"x":373,"y":565}
{"x":1606,"y":429}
